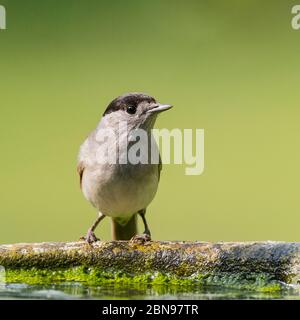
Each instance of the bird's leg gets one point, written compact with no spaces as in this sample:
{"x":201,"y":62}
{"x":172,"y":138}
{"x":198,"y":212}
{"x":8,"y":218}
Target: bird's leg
{"x":146,"y":235}
{"x":90,"y":236}
{"x":142,"y":214}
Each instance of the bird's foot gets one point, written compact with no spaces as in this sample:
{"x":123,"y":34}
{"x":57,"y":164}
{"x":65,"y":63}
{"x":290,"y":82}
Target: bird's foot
{"x":140,"y":238}
{"x":90,"y":237}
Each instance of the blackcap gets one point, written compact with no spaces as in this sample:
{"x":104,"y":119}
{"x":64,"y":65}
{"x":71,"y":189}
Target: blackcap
{"x":121,"y":190}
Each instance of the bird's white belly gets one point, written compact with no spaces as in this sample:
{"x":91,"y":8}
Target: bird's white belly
{"x":123,"y":193}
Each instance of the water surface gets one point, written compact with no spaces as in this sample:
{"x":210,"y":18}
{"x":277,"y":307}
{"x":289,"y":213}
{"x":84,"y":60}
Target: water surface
{"x":65,"y":291}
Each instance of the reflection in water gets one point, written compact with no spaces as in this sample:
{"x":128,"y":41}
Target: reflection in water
{"x":82,"y":291}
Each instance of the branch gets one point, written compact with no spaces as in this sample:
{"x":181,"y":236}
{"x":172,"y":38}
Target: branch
{"x":263,"y":266}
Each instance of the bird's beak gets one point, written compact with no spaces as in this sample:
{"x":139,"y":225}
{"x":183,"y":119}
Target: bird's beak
{"x":156,"y":108}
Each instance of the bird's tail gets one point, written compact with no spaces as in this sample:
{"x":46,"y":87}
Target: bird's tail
{"x":124,"y":232}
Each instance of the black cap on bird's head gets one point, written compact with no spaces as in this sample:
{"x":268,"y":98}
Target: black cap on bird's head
{"x":135,"y":104}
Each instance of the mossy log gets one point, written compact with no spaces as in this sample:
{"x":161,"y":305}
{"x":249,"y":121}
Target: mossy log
{"x":265,"y":266}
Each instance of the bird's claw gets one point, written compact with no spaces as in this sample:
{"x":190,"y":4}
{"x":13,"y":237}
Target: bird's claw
{"x":90,"y":237}
{"x":140,"y":238}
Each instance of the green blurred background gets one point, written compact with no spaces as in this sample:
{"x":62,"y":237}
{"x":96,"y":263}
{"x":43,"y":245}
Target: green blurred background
{"x":230,"y":67}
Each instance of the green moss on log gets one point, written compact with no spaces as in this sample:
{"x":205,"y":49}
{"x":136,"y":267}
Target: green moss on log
{"x":261,"y":266}
{"x":96,"y":276}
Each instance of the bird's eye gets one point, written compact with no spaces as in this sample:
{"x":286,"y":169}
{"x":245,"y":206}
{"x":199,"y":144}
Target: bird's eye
{"x":131,"y":109}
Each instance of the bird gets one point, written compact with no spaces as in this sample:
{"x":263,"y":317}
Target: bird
{"x":121,"y":190}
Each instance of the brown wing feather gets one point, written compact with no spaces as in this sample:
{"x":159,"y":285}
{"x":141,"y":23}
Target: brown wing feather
{"x":159,"y":167}
{"x":80,"y":169}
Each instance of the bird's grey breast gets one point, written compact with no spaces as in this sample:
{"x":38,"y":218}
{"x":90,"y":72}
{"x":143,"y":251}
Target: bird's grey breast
{"x":113,"y":188}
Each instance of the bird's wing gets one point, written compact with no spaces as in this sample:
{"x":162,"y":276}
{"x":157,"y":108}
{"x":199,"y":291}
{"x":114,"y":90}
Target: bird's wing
{"x":159,"y":167}
{"x":80,"y":170}
{"x":83,"y":156}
